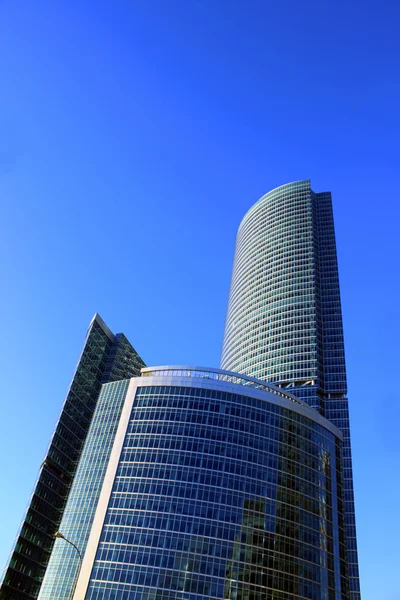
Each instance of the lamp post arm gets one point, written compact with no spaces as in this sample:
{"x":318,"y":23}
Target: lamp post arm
{"x":76,"y":548}
{"x":58,"y":534}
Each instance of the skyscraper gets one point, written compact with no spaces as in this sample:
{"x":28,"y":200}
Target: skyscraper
{"x":284,"y":321}
{"x":203,"y":484}
{"x":105,"y":357}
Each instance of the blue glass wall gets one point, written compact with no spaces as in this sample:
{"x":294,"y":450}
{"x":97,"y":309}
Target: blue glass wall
{"x":78,"y":515}
{"x":219,"y":495}
{"x":334,"y":384}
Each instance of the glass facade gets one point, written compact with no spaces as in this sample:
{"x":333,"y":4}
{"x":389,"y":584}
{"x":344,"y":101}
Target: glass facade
{"x":103,"y":356}
{"x":123,"y":362}
{"x":79,"y":511}
{"x":284,"y":320}
{"x":220,"y":490}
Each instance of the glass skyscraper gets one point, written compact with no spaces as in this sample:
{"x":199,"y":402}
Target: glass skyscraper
{"x":190,"y":483}
{"x":203,"y":484}
{"x":105,"y":357}
{"x":284,"y":321}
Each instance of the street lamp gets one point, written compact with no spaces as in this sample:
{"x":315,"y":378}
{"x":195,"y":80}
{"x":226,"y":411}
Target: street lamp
{"x":58,"y":534}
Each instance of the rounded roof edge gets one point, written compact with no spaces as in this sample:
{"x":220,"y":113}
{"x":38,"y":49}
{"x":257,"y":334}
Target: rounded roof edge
{"x":213,"y":370}
{"x":211,"y":377}
{"x":306,"y":182}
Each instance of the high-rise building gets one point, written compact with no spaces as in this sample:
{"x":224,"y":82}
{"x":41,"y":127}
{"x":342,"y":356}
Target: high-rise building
{"x":284,"y":320}
{"x":105,"y":357}
{"x":203,"y":484}
{"x":198,"y":483}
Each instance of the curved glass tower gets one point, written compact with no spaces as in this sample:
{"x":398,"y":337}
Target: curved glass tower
{"x":203,"y":484}
{"x":284,"y":320}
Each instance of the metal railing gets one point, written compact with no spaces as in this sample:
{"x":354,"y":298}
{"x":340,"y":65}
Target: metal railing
{"x":217,"y":375}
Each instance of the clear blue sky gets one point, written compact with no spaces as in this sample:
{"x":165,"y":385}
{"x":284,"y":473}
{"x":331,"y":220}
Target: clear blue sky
{"x":133,"y":138}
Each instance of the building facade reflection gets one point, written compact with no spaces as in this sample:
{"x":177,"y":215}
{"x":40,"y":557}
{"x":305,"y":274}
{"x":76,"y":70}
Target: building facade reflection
{"x":216,"y":489}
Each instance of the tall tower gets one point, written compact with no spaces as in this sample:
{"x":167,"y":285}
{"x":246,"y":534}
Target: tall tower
{"x":284,"y":320}
{"x":105,"y":357}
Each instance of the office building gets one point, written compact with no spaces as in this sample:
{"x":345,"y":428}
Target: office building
{"x":203,"y":484}
{"x":284,"y":321}
{"x":105,"y":357}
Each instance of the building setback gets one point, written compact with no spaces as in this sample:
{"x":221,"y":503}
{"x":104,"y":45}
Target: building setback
{"x":200,"y":483}
{"x":105,"y":357}
{"x":284,"y":319}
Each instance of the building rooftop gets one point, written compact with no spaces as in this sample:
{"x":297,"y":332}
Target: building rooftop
{"x":222,"y":378}
{"x":217,"y":375}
